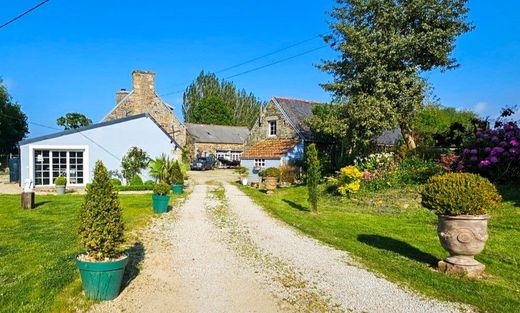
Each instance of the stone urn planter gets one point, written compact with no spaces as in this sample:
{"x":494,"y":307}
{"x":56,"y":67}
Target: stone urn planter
{"x":464,"y":237}
{"x":461,"y":202}
{"x":270,"y":184}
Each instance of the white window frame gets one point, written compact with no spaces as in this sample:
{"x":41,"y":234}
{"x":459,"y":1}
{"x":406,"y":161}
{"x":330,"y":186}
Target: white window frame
{"x":270,"y":128}
{"x":68,"y":148}
{"x":260,"y":163}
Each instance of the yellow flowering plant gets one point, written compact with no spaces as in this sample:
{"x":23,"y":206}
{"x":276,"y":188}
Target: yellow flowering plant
{"x":348,"y":180}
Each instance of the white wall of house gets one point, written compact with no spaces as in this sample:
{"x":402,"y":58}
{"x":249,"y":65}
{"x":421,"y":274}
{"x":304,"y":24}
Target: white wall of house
{"x":80,"y":150}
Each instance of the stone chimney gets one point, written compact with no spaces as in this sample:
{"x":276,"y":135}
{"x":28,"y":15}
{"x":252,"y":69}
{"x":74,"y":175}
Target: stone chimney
{"x":144,"y":83}
{"x":121,"y":94}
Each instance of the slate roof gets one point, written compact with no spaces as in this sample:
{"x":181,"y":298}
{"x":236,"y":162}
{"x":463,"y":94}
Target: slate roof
{"x":389,"y":137}
{"x":297,"y":111}
{"x":269,"y":149}
{"x":97,"y":125}
{"x":202,"y":133}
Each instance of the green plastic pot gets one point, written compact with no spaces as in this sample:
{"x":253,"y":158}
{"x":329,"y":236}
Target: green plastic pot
{"x":160,"y":203}
{"x":177,"y":189}
{"x":102,"y":280}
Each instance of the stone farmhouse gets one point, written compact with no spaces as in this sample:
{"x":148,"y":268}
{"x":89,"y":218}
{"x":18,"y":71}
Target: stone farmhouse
{"x":223,"y":142}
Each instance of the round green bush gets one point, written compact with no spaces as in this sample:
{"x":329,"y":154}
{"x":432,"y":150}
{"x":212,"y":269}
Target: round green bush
{"x":161,"y":189}
{"x":115,"y":182}
{"x":270,"y":172}
{"x":136,"y":181}
{"x":60,"y":181}
{"x":149,"y":183}
{"x":460,"y":194}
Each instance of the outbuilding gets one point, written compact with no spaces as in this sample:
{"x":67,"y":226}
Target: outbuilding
{"x":73,"y":153}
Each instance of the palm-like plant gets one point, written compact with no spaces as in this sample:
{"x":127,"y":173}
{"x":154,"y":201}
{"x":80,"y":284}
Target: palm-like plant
{"x":161,"y":168}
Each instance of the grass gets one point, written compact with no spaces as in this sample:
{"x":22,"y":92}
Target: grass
{"x":391,"y":234}
{"x":38,"y":249}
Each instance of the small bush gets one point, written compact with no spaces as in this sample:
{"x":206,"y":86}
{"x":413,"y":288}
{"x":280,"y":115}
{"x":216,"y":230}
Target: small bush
{"x":348,"y":180}
{"x":415,"y":171}
{"x":460,"y":194}
{"x":115,"y":182}
{"x":134,"y":188}
{"x":149,"y":183}
{"x":136,"y":181}
{"x":270,"y":172}
{"x":313,"y":176}
{"x":161,"y":189}
{"x":289,"y":174}
{"x":177,"y":177}
{"x":101,"y":222}
{"x":60,"y":181}
{"x":242,"y":171}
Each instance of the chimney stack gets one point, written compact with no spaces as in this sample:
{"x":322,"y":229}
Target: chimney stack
{"x":121,"y":94}
{"x":144,"y":83}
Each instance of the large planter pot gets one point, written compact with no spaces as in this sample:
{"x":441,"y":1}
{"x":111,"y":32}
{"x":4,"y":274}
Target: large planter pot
{"x":102,"y":280}
{"x":463,"y":237}
{"x":160,"y":203}
{"x":270,"y":184}
{"x":60,"y":189}
{"x":177,"y":189}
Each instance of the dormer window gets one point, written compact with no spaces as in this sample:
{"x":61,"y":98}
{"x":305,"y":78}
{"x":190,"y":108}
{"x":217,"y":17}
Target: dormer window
{"x":271,"y":128}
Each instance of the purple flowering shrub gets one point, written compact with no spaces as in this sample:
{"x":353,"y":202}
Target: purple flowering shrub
{"x":494,"y":153}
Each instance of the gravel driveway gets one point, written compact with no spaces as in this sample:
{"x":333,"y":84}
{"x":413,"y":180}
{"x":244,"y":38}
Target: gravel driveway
{"x":217,"y":254}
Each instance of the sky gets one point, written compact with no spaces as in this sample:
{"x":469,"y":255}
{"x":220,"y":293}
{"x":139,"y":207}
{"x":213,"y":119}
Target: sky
{"x":72,"y":56}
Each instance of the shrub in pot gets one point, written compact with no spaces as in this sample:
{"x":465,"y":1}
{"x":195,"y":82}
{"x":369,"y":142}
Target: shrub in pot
{"x":161,"y":198}
{"x":60,"y":182}
{"x":461,"y":201}
{"x":270,"y":178}
{"x":101,"y":232}
{"x":177,"y":179}
{"x":242,"y":172}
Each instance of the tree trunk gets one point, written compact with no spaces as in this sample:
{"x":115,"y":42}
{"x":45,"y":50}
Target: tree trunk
{"x":408,"y":137}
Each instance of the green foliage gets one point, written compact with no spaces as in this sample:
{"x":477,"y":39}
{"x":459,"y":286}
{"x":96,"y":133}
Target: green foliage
{"x":289,"y":174}
{"x":212,"y":110}
{"x":177,"y":177}
{"x":73,"y":121}
{"x":244,"y":107}
{"x":242,"y":171}
{"x":149,"y":183}
{"x":60,"y":181}
{"x":348,"y":180}
{"x":13,"y":123}
{"x":161,"y":189}
{"x":135,"y":160}
{"x":384,"y":47}
{"x":101,"y":228}
{"x":313,"y":175}
{"x":135,"y":187}
{"x":136,"y":181}
{"x":460,"y":194}
{"x":161,"y":168}
{"x":184,"y":169}
{"x":270,"y":172}
{"x":115,"y":182}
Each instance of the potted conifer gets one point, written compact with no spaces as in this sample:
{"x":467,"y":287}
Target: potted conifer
{"x":461,"y":201}
{"x":270,"y":178}
{"x":101,"y":232}
{"x":60,"y":182}
{"x":161,"y":198}
{"x":177,"y":179}
{"x":242,"y":172}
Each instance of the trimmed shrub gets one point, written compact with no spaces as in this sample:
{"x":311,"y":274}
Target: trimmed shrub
{"x":149,"y":183}
{"x":313,"y":175}
{"x":177,"y":177}
{"x":115,"y":182}
{"x":270,"y":172}
{"x":242,"y":171}
{"x":161,"y":189}
{"x":460,"y":194}
{"x":60,"y":181}
{"x":134,"y":188}
{"x":136,"y":181}
{"x":101,"y":222}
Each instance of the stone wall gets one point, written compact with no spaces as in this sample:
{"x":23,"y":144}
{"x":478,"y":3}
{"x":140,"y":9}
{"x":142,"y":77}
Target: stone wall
{"x":260,"y":129}
{"x":143,"y":99}
{"x":198,"y":149}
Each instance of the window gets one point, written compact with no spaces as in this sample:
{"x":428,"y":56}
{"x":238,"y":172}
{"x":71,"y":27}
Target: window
{"x":49,"y":164}
{"x":235,"y":155}
{"x":259,"y":162}
{"x":272,"y":128}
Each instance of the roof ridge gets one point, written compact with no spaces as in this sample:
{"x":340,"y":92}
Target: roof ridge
{"x":236,"y":126}
{"x":298,"y":99}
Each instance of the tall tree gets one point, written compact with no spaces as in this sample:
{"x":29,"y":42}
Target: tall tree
{"x":313,"y":176}
{"x":384,"y":47}
{"x":212,"y":110}
{"x":13,"y":122}
{"x":244,"y":106}
{"x":73,"y":121}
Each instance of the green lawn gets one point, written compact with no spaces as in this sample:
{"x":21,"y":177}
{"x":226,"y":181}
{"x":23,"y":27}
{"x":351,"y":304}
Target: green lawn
{"x":390,"y":233}
{"x":38,"y":249}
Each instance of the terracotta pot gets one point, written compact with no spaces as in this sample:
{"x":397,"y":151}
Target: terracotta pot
{"x":463,"y":237}
{"x":270,"y":184}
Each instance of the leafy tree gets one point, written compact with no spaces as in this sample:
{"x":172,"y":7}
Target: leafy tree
{"x":13,"y":122}
{"x":135,"y":160}
{"x":244,"y":106}
{"x":313,"y":176}
{"x":384,"y":46}
{"x":73,"y":121}
{"x":212,"y":110}
{"x":101,"y":222}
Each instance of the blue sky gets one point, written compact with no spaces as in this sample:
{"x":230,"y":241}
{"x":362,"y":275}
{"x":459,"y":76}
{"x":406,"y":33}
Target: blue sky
{"x":72,"y":56}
